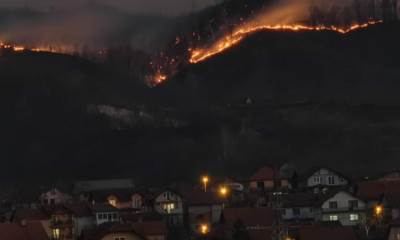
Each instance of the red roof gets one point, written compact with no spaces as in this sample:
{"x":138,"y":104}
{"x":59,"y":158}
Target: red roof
{"x":32,"y":231}
{"x":376,"y":190}
{"x":30,"y":215}
{"x":265,"y":173}
{"x":249,"y":216}
{"x":152,"y":228}
{"x":327,"y":233}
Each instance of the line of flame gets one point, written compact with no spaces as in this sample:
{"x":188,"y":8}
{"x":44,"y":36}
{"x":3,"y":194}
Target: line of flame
{"x":199,"y":55}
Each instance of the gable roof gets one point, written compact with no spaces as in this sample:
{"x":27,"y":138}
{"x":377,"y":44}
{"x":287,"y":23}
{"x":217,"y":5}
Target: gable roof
{"x":326,"y":233}
{"x":265,"y":173}
{"x":331,"y":194}
{"x":313,"y":170}
{"x":378,"y":190}
{"x":32,"y":231}
{"x":300,"y":199}
{"x":104,"y":207}
{"x":249,"y":216}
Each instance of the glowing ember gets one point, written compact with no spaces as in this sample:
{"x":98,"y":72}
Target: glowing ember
{"x":199,"y":55}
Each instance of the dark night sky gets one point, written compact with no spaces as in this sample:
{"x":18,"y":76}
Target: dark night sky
{"x":136,"y":6}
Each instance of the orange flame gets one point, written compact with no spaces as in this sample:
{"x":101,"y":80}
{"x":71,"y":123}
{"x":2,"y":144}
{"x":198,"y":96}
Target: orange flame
{"x":226,"y":42}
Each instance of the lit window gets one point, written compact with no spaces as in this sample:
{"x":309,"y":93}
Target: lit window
{"x":353,"y":217}
{"x":168,"y":207}
{"x":56,"y":233}
{"x":112,"y":201}
{"x":333,"y":218}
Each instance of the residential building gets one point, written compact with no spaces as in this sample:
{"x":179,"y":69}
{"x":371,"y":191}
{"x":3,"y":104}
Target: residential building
{"x":203,"y":207}
{"x":343,"y":207}
{"x":268,"y":178}
{"x":325,"y":177}
{"x":54,"y":197}
{"x":299,"y":206}
{"x":170,"y":204}
{"x":105,"y":213}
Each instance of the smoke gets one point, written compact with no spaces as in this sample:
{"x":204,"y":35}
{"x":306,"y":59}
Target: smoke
{"x":92,"y":26}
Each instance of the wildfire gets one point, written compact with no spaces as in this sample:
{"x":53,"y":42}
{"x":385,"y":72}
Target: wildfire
{"x":226,"y":42}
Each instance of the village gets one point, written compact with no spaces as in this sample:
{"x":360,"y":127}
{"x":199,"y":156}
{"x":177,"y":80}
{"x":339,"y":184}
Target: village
{"x":272,"y":204}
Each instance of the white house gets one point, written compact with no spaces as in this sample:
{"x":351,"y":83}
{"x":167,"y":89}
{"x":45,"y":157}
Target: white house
{"x":105,"y":213}
{"x":169,"y":204}
{"x":344,"y":207}
{"x":325,"y":177}
{"x":54,"y":197}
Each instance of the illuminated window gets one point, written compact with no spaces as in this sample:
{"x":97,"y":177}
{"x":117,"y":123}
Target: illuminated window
{"x":168,"y":207}
{"x":333,"y":218}
{"x":112,"y":201}
{"x":353,"y":217}
{"x":56,"y":233}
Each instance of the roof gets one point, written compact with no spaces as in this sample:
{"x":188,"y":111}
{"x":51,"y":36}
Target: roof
{"x":265,"y":173}
{"x":326,"y":233}
{"x":29,"y":214}
{"x":376,"y":190}
{"x":199,"y":197}
{"x":123,"y":195}
{"x":334,"y":192}
{"x":300,"y":200}
{"x":104,"y":207}
{"x":249,"y":216}
{"x":32,"y":231}
{"x":150,"y":228}
{"x":110,"y":228}
{"x":312,"y":170}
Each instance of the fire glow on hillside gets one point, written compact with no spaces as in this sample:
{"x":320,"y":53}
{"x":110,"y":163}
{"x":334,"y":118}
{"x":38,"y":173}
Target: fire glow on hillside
{"x":226,"y":42}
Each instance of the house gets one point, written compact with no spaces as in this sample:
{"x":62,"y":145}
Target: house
{"x":390,"y":176}
{"x":33,"y":230}
{"x":82,"y":217}
{"x":384,"y":193}
{"x":299,"y":206}
{"x":267,"y":178}
{"x":54,"y":197}
{"x":325,"y":177}
{"x":169,"y":204}
{"x":326,"y":233}
{"x":394,"y":231}
{"x":61,"y":224}
{"x":203,"y":207}
{"x":344,"y":207}
{"x":105,"y":213}
{"x":119,"y":198}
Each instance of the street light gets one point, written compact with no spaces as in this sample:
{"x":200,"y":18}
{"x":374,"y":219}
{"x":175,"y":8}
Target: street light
{"x":205,"y":179}
{"x":378,"y":210}
{"x":223,"y":191}
{"x":204,"y":229}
